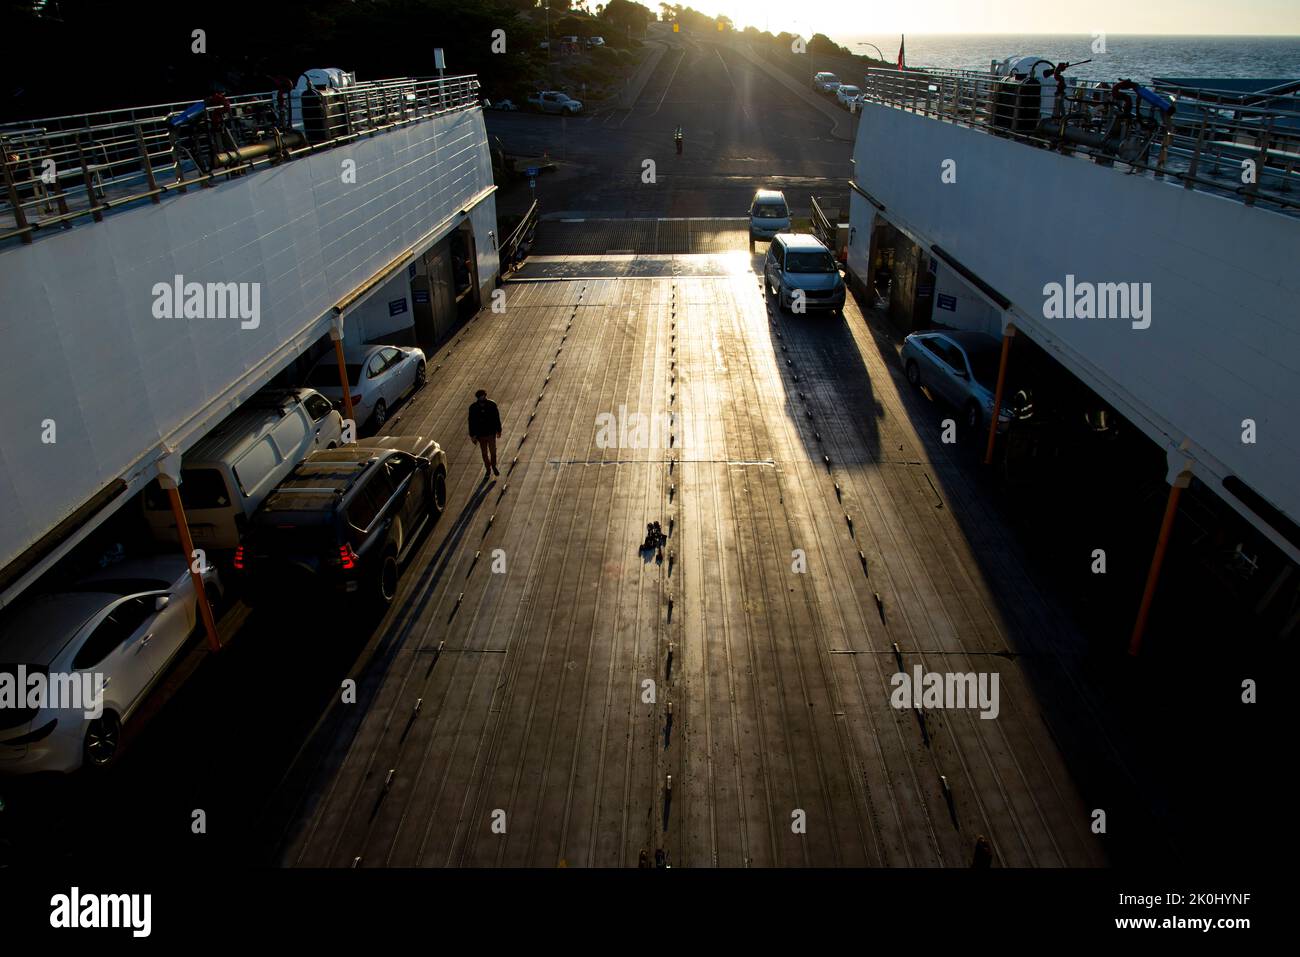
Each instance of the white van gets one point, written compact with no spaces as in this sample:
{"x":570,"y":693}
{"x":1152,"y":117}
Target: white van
{"x":769,"y":214}
{"x":228,"y":472}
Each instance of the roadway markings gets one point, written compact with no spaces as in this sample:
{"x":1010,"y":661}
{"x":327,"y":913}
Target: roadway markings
{"x":743,"y":108}
{"x":670,"y":84}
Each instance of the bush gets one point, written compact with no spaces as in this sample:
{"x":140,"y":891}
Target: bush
{"x":605,"y":57}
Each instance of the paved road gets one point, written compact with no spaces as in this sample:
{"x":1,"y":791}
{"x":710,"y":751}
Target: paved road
{"x":742,"y":130}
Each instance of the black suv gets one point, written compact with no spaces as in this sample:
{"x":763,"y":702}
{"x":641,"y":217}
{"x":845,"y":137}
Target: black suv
{"x":344,"y":520}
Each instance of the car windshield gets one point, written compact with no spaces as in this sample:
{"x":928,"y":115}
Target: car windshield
{"x":326,"y":375}
{"x":816,"y":261}
{"x":771,"y":211}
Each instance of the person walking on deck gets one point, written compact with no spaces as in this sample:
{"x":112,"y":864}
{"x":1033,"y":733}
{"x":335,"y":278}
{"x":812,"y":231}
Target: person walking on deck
{"x":485,"y":429}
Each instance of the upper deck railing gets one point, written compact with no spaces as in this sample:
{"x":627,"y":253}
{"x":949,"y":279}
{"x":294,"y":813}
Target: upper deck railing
{"x":1249,"y":152}
{"x":57,"y":170}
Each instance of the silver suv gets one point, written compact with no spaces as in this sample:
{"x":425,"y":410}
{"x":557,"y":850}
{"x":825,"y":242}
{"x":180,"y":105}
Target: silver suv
{"x":801,"y":271}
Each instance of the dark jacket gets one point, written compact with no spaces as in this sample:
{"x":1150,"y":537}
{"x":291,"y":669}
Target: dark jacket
{"x":484,"y":419}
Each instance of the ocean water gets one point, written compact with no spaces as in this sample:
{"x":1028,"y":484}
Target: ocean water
{"x":1125,"y":56}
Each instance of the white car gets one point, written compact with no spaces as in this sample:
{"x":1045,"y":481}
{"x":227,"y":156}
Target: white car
{"x":848,"y":95}
{"x":125,"y":624}
{"x":380,"y":378}
{"x":595,"y":41}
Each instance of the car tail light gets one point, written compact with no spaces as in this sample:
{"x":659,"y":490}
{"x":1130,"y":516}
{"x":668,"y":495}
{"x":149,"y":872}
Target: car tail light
{"x":239,"y":558}
{"x":347,"y":557}
{"x":356,"y":399}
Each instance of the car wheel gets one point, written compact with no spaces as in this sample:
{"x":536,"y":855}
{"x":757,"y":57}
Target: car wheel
{"x":380,"y":415}
{"x":103,"y":741}
{"x":421,"y":376}
{"x":438,"y":493}
{"x":383,"y":589}
{"x":913,"y":374}
{"x":973,"y":416}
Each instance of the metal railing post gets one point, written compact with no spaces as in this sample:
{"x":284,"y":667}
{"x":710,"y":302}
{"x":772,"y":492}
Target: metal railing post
{"x":1253,"y":188}
{"x":95,"y":211}
{"x":147,"y":165}
{"x":1195,"y":164}
{"x":20,"y":217}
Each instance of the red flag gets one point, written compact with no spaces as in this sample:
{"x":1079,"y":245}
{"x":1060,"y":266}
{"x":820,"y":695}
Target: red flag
{"x":902,"y":65}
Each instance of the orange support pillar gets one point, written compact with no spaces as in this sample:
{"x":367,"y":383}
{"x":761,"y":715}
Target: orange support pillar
{"x":187,"y":546}
{"x":1153,"y":575}
{"x":1007,"y":335}
{"x":336,"y":333}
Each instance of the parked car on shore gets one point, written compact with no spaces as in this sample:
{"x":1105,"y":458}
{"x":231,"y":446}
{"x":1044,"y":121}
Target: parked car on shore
{"x":379,"y":379}
{"x":124,"y":625}
{"x":552,"y":101}
{"x":825,"y":82}
{"x":848,"y":95}
{"x":344,"y":521}
{"x":769,"y":214}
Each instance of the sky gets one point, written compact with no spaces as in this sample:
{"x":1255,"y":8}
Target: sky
{"x":844,"y":18}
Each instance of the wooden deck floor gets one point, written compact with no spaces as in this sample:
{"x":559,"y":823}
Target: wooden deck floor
{"x":531,"y":681}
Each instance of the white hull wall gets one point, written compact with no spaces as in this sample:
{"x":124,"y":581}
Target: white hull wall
{"x":83,"y":346}
{"x":1224,"y":340}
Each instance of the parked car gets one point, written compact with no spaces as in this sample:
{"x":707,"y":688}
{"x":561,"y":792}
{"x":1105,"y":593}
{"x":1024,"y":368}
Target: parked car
{"x":799,"y":261}
{"x":595,"y":41}
{"x":380,"y":378}
{"x":552,"y":101}
{"x":960,"y":367}
{"x":769,"y":214}
{"x":825,"y":82}
{"x":848,"y":95}
{"x":126,"y":623}
{"x":227,"y":473}
{"x":507,"y":105}
{"x":344,"y":520}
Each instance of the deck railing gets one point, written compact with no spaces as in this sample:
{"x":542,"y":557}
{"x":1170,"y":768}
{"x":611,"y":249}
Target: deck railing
{"x":56,"y":170}
{"x":1248,"y":152}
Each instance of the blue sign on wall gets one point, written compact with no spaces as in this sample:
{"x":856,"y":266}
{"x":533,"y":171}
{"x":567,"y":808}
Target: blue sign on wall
{"x":421,"y":296}
{"x":396,"y":307}
{"x":948,"y":302}
{"x":410,"y":271}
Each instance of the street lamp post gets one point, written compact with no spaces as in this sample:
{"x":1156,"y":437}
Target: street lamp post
{"x":863,"y":43}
